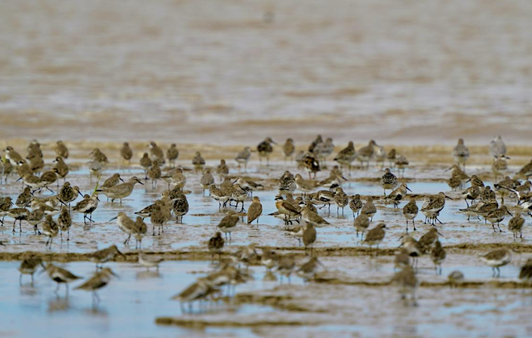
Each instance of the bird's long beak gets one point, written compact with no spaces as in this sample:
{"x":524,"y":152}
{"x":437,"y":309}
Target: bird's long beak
{"x":112,"y":219}
{"x":274,"y":142}
{"x":140,"y":181}
{"x":19,"y":179}
{"x":440,"y":234}
{"x":114,"y":274}
{"x":447,"y":197}
{"x":79,"y":193}
{"x":407,"y":188}
{"x":121,"y":180}
{"x":509,"y":213}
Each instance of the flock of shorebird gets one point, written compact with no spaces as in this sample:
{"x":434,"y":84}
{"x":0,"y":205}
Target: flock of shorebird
{"x":39,"y":210}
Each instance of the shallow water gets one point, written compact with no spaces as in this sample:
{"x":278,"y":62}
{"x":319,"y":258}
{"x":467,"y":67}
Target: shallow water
{"x":128,"y":307}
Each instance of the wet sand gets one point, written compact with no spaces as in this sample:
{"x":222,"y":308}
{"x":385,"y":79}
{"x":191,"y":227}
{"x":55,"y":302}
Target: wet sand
{"x":397,"y":71}
{"x":268,"y":308}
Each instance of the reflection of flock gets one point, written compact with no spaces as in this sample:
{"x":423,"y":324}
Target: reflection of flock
{"x":299,"y":214}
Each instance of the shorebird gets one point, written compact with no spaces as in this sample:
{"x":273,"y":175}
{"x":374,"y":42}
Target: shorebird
{"x":65,"y":222}
{"x":18,"y":214}
{"x":216,"y":245}
{"x":98,"y":156}
{"x":369,"y":208}
{"x":525,"y":273}
{"x":456,"y":277}
{"x":286,"y":265}
{"x":438,"y":256}
{"x":228,"y":224}
{"x":140,"y":231}
{"x":497,"y":216}
{"x":410,"y":211}
{"x":87,"y":206}
{"x":525,"y":171}
{"x":461,"y":153}
{"x":158,"y":217}
{"x":355,"y":204}
{"x":145,"y":163}
{"x":311,"y":165}
{"x":120,"y":191}
{"x":105,"y":255}
{"x":13,"y":157}
{"x":180,"y":207}
{"x":412,"y":248}
{"x":346,"y":156}
{"x":308,"y":270}
{"x":154,"y":174}
{"x":388,"y":180}
{"x":497,"y":147}
{"x":496,"y":259}
{"x":288,"y":149}
{"x":401,"y":163}
{"x":515,"y":225}
{"x":24,"y":199}
{"x":95,"y":169}
{"x":287,"y":182}
{"x":341,"y":199}
{"x":391,"y":157}
{"x":126,"y":153}
{"x":499,"y":167}
{"x":206,"y":180}
{"x":50,"y":229}
{"x":35,"y":218}
{"x":156,"y":153}
{"x":254,"y":210}
{"x":198,"y":290}
{"x":172,"y":154}
{"x":401,"y":259}
{"x":28,"y":267}
{"x":243,"y":157}
{"x":380,"y":156}
{"x":428,"y":239}
{"x":324,"y":150}
{"x":407,"y":283}
{"x":125,"y":224}
{"x":287,"y":209}
{"x":398,"y":194}
{"x":375,"y":236}
{"x":310,"y":217}
{"x":68,"y":194}
{"x":222,"y":169}
{"x":432,"y":207}
{"x":112,"y":181}
{"x":198,"y":162}
{"x":61,"y":150}
{"x":97,"y":281}
{"x":269,"y":258}
{"x":60,"y":276}
{"x":265,"y":149}
{"x":315,"y":143}
{"x":305,"y":185}
{"x":177,"y":178}
{"x":361,"y":224}
{"x":366,"y":154}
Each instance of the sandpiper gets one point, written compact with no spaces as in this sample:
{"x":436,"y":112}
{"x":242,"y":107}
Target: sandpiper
{"x":158,"y":217}
{"x":243,"y":157}
{"x":206,"y":180}
{"x":13,"y":157}
{"x":150,"y":261}
{"x":410,"y":211}
{"x":222,"y":169}
{"x":311,"y":165}
{"x":286,"y":266}
{"x":87,"y":206}
{"x":456,"y":277}
{"x":156,"y":153}
{"x":269,"y":258}
{"x":380,"y":156}
{"x":228,"y":224}
{"x":305,"y":185}
{"x":355,"y":204}
{"x":28,"y":267}
{"x":525,"y":272}
{"x":401,"y":163}
{"x":432,"y":207}
{"x":61,"y":150}
{"x":361,"y":224}
{"x":391,"y":157}
{"x":499,"y":167}
{"x":346,"y":156}
{"x":428,"y":239}
{"x":341,"y":199}
{"x":438,"y":256}
{"x":125,"y":224}
{"x":180,"y":206}
{"x":172,"y":154}
{"x":288,"y":149}
{"x":315,"y":143}
{"x":60,"y":276}
{"x":126,"y":153}
{"x":308,"y":270}
{"x":198,"y":162}
{"x":515,"y":225}
{"x":120,"y":191}
{"x":461,"y":153}
{"x":496,"y":259}
{"x":287,"y":182}
{"x":265,"y":149}
{"x":254,"y":210}
{"x":68,"y":194}
{"x":24,"y":199}
{"x":65,"y":222}
{"x":375,"y":236}
{"x":154,"y":174}
{"x":105,"y":255}
{"x":497,"y":147}
{"x":525,"y":171}
{"x":98,"y":156}
{"x":311,"y":217}
{"x":145,"y":163}
{"x":97,"y":281}
{"x":388,"y":180}
{"x":497,"y":216}
{"x":324,"y":150}
{"x":398,"y":194}
{"x":369,"y":208}
{"x":35,"y":218}
{"x":50,"y":229}
{"x":366,"y":154}
{"x":402,"y":259}
{"x":112,"y":181}
{"x":18,"y":214}
{"x":413,"y":248}
{"x":61,"y":168}
{"x":216,"y":245}
{"x":140,"y":231}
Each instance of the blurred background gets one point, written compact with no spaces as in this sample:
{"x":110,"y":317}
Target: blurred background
{"x":235,"y":71}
